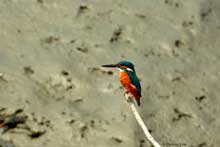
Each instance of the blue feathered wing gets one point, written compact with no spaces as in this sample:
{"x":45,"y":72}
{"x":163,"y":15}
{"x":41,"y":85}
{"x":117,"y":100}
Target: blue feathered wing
{"x":135,"y":81}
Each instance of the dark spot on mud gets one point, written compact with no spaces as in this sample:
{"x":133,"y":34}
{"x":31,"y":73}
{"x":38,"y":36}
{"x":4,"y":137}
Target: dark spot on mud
{"x":27,"y":101}
{"x":44,"y":122}
{"x":173,"y":93}
{"x":40,"y":1}
{"x":205,"y":13}
{"x":187,"y":23}
{"x":174,"y":53}
{"x":152,"y":52}
{"x":17,"y":120}
{"x":47,"y":123}
{"x":97,"y":45}
{"x":176,"y":5}
{"x":35,"y":119}
{"x":141,"y":143}
{"x":203,"y":144}
{"x":72,"y":121}
{"x":28,"y":70}
{"x":64,"y":73}
{"x":2,"y":109}
{"x":180,"y":115}
{"x":78,"y":100}
{"x":83,"y":130}
{"x":72,"y":41}
{"x":200,"y":98}
{"x":18,"y":30}
{"x":82,"y":9}
{"x":151,"y":115}
{"x":33,"y":114}
{"x":36,"y":134}
{"x":63,"y":113}
{"x":52,"y":39}
{"x":60,"y":98}
{"x":69,"y":87}
{"x":172,"y":3}
{"x":116,"y":35}
{"x":142,"y":16}
{"x":69,"y":79}
{"x":109,"y":72}
{"x":178,"y":43}
{"x":82,"y":49}
{"x":88,"y":27}
{"x":92,"y":123}
{"x":116,"y":139}
{"x":176,"y":79}
{"x":164,"y":97}
{"x":10,"y":121}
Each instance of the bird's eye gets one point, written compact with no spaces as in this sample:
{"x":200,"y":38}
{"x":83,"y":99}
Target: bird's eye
{"x":118,"y":65}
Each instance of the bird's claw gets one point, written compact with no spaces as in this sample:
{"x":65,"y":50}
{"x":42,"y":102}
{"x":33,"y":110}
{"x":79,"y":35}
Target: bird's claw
{"x":126,"y":92}
{"x":129,"y":98}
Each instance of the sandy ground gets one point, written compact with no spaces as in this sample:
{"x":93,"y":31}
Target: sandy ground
{"x":53,"y":92}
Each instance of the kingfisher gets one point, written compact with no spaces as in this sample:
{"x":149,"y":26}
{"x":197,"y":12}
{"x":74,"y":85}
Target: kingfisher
{"x":128,"y":79}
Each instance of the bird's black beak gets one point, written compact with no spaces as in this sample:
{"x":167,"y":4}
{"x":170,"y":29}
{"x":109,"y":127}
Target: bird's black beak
{"x":110,"y":65}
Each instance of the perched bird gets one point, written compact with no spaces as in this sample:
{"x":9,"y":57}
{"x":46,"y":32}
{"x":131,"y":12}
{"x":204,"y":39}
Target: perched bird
{"x":128,"y":79}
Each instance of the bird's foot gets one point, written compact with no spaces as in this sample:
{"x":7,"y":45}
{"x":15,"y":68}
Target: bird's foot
{"x":126,"y":92}
{"x":129,"y":99}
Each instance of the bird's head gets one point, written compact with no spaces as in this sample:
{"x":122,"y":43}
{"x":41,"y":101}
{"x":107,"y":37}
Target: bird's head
{"x":122,"y":65}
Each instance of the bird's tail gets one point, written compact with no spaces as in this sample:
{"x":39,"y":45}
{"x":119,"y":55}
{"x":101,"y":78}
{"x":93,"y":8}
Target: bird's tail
{"x":138,"y":101}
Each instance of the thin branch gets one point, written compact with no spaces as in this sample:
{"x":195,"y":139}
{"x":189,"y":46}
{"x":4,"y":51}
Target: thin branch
{"x":141,"y":122}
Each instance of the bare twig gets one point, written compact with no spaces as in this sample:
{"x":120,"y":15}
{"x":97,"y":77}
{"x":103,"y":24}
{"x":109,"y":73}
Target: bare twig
{"x":141,"y":122}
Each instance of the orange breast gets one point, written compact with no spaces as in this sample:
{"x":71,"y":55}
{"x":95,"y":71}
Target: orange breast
{"x":124,"y":78}
{"x":126,"y":83}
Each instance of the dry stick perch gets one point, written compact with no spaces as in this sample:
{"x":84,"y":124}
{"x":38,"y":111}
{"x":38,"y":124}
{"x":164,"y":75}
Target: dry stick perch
{"x":141,"y":122}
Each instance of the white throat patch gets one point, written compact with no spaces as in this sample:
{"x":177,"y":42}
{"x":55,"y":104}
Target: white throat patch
{"x":129,"y":69}
{"x":126,"y":69}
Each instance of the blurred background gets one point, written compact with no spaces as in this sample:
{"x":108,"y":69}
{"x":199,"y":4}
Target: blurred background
{"x":53,"y":92}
